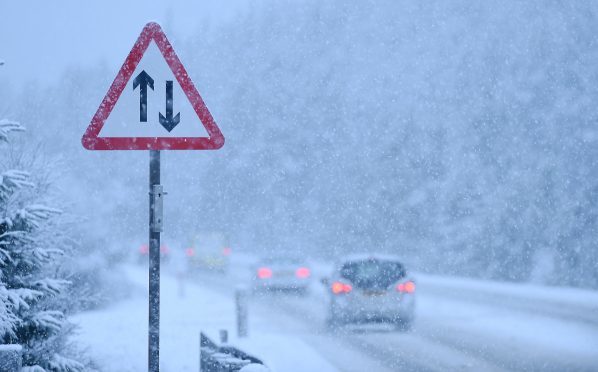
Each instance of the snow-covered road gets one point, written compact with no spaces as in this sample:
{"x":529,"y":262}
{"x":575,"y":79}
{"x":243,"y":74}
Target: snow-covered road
{"x":452,"y":334}
{"x":461,"y":325}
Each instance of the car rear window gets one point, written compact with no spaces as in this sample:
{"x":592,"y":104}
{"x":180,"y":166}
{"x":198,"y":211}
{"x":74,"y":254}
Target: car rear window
{"x":373,"y":273}
{"x":281,"y":261}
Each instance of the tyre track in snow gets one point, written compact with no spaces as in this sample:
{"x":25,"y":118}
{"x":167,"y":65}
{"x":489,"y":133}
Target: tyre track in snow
{"x":344,"y":356}
{"x":509,"y":330}
{"x":392,"y":358}
{"x":440,"y":342}
{"x":394,"y":350}
{"x":400,"y":351}
{"x":505,"y":353}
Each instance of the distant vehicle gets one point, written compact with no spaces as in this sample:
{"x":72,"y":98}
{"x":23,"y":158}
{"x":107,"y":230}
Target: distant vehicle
{"x":143,"y":255}
{"x":208,"y":251}
{"x":281,"y":273}
{"x":370,"y":288}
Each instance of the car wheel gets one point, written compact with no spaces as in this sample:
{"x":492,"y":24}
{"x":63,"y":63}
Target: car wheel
{"x":332,"y":324}
{"x":333,"y":320}
{"x":302,"y":291}
{"x":257,"y":291}
{"x":403,"y":325}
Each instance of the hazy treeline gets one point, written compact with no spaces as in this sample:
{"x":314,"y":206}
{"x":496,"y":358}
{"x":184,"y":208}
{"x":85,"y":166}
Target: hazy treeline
{"x":462,"y":135}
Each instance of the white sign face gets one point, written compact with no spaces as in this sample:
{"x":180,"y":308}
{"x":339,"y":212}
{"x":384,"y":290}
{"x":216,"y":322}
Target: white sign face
{"x":152,"y":104}
{"x":163,"y":111}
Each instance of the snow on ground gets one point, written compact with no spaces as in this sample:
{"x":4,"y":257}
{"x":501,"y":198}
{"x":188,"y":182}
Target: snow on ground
{"x":485,"y":325}
{"x":497,"y":320}
{"x":461,"y":324}
{"x":117,"y":336}
{"x":538,"y":331}
{"x":563,"y":296}
{"x":515,"y":325}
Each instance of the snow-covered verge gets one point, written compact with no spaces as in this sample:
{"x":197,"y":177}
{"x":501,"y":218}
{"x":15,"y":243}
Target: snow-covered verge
{"x":116,"y":336}
{"x":558,"y":301}
{"x":576,"y":296}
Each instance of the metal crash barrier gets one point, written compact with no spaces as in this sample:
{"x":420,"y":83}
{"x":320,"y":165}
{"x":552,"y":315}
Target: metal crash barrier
{"x":225,"y":358}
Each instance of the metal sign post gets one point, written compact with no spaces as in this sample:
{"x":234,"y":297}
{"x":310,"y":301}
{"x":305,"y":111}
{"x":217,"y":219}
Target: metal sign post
{"x":153,"y":131}
{"x":155,"y":228}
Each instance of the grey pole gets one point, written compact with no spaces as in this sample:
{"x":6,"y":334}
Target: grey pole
{"x":155,"y":227}
{"x":241,"y":310}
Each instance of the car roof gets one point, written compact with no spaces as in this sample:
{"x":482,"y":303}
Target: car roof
{"x":370,"y":256}
{"x":281,"y":259}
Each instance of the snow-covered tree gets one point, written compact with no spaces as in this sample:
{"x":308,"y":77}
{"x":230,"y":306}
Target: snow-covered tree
{"x":30,"y":243}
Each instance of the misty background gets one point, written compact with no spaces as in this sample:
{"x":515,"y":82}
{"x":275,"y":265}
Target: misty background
{"x":459,"y":135}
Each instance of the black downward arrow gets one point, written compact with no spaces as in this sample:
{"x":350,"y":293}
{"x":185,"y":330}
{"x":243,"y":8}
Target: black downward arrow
{"x":169,"y":122}
{"x":143,"y":79}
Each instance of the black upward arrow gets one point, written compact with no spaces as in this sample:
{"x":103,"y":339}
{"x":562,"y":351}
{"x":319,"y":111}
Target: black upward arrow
{"x":144,"y":80}
{"x":169,"y":122}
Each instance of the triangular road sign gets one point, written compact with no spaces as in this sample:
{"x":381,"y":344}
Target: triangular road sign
{"x":162,"y":134}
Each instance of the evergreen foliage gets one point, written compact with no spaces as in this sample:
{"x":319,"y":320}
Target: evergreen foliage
{"x":30,"y":246}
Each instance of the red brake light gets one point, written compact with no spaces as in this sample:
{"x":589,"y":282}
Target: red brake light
{"x":164,"y":249}
{"x":338,"y":288}
{"x":407,"y":287}
{"x":264,"y":273}
{"x":302,"y":272}
{"x":226,"y":251}
{"x":189,"y":252}
{"x":143,"y":249}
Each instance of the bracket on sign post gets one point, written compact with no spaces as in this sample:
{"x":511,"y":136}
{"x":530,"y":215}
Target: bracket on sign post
{"x":157,"y":195}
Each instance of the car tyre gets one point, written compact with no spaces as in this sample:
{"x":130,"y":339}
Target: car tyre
{"x":403,"y":325}
{"x":333,"y":324}
{"x":302,"y":291}
{"x":333,"y":320}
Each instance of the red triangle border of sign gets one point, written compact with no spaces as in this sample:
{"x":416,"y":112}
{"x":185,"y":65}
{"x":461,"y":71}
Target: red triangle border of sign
{"x":91,"y":139}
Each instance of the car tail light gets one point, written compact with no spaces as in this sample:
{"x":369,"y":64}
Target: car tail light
{"x":407,"y":287}
{"x":302,"y":273}
{"x":190,"y":252}
{"x":264,"y":273}
{"x":143,"y":249}
{"x":338,"y":288}
{"x":226,"y":251}
{"x":164,"y":249}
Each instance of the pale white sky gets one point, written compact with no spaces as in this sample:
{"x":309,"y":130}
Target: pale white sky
{"x":39,"y":39}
